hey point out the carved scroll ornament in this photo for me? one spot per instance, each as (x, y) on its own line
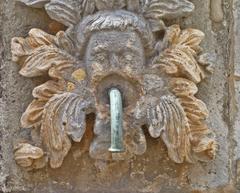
(114, 43)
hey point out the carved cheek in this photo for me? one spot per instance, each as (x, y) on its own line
(97, 64)
(96, 68)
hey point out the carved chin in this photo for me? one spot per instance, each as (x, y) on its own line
(133, 139)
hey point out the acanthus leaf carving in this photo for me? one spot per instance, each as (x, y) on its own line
(168, 120)
(88, 7)
(29, 156)
(63, 117)
(65, 12)
(203, 142)
(156, 11)
(179, 59)
(35, 3)
(32, 117)
(39, 52)
(23, 47)
(70, 12)
(166, 9)
(88, 59)
(180, 123)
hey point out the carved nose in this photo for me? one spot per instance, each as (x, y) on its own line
(114, 61)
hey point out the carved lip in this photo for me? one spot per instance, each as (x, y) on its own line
(130, 89)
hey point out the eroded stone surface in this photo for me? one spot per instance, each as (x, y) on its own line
(116, 48)
(150, 172)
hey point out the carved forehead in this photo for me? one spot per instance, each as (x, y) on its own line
(119, 20)
(115, 40)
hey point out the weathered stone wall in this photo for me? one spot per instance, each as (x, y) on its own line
(152, 172)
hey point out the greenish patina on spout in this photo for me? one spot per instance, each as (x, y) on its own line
(116, 121)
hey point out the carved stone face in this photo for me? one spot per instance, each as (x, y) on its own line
(115, 59)
(114, 52)
(159, 96)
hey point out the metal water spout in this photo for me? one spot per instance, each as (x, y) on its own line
(116, 110)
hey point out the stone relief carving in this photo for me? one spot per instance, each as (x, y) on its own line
(114, 44)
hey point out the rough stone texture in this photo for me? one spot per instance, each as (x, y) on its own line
(152, 172)
(236, 71)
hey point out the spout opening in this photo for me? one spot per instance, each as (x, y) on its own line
(130, 90)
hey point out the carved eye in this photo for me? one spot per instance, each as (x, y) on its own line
(101, 57)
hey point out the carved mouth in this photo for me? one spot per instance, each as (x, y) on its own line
(130, 89)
